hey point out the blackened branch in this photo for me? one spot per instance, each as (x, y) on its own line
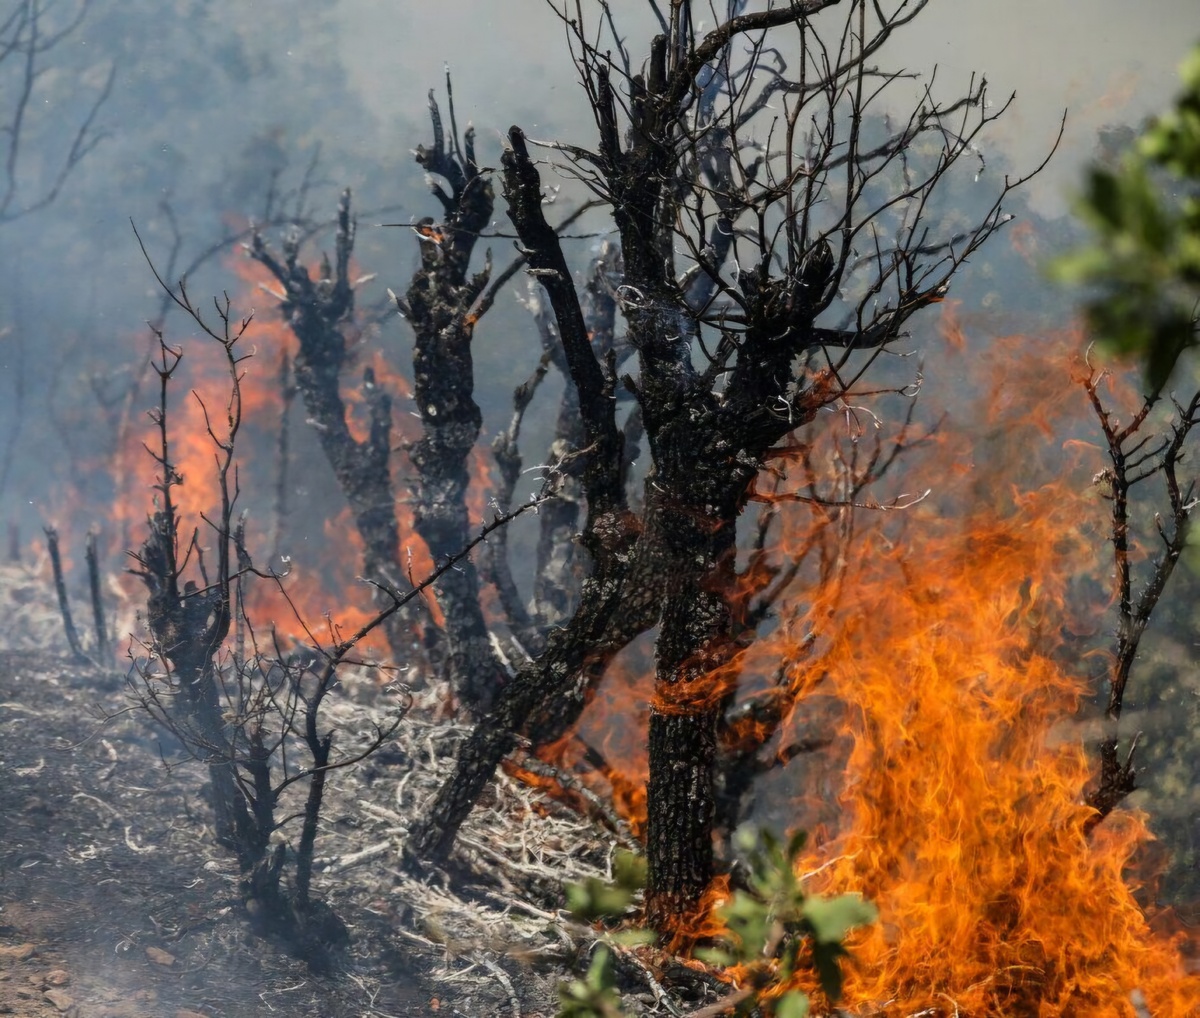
(1134, 458)
(316, 311)
(523, 192)
(717, 41)
(443, 304)
(60, 588)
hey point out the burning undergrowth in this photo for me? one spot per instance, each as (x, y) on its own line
(913, 684)
(943, 663)
(936, 655)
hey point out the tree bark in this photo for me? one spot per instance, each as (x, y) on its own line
(314, 310)
(440, 305)
(570, 650)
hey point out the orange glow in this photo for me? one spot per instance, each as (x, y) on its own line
(1024, 239)
(610, 755)
(945, 646)
(944, 651)
(552, 788)
(324, 587)
(479, 467)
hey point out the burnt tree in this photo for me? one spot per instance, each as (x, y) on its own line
(1138, 453)
(243, 706)
(778, 227)
(316, 311)
(443, 302)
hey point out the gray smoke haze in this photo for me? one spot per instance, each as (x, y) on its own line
(211, 97)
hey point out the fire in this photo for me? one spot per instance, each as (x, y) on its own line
(943, 652)
(1024, 239)
(951, 650)
(321, 593)
(610, 758)
(963, 787)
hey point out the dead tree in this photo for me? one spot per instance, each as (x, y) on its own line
(29, 34)
(243, 706)
(119, 391)
(100, 655)
(776, 233)
(443, 303)
(189, 622)
(317, 311)
(1138, 454)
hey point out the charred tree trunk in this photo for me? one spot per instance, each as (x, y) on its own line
(690, 513)
(696, 641)
(442, 306)
(315, 311)
(561, 564)
(188, 627)
(609, 537)
(568, 651)
(730, 358)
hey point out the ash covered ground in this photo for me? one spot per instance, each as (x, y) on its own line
(116, 903)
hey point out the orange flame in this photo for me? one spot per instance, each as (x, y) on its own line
(944, 651)
(950, 650)
(327, 598)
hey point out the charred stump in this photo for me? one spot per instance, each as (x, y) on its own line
(188, 627)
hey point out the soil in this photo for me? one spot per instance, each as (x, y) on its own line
(115, 901)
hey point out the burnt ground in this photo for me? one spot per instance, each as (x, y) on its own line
(113, 899)
(115, 902)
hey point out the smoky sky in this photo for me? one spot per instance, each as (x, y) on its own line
(213, 99)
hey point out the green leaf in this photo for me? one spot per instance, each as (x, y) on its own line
(1103, 198)
(595, 995)
(714, 956)
(776, 911)
(796, 844)
(598, 899)
(746, 839)
(629, 870)
(633, 938)
(792, 1004)
(827, 961)
(832, 918)
(1143, 266)
(595, 899)
(748, 920)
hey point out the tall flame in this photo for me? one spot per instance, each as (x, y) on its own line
(952, 647)
(937, 658)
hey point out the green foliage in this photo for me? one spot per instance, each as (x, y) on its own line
(597, 899)
(594, 996)
(774, 926)
(774, 929)
(1144, 267)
